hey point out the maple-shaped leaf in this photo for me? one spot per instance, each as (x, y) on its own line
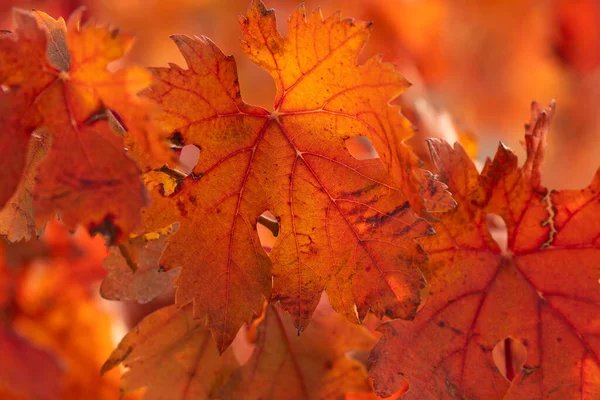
(541, 293)
(57, 78)
(315, 72)
(315, 365)
(133, 270)
(17, 220)
(172, 355)
(344, 225)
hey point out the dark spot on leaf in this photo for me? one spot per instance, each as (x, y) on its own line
(182, 209)
(378, 220)
(360, 191)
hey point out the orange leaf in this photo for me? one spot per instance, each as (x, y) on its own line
(171, 354)
(520, 323)
(316, 74)
(57, 78)
(345, 226)
(316, 365)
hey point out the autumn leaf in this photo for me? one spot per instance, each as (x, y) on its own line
(538, 297)
(133, 270)
(315, 71)
(172, 355)
(344, 225)
(315, 365)
(56, 78)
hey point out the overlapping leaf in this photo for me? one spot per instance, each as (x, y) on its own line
(56, 78)
(172, 355)
(542, 291)
(345, 225)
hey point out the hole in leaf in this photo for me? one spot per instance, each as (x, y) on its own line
(188, 158)
(509, 356)
(497, 228)
(267, 227)
(360, 147)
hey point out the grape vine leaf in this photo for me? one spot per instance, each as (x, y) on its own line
(345, 225)
(542, 291)
(172, 355)
(315, 70)
(315, 365)
(57, 78)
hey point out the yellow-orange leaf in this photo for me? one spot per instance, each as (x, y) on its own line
(315, 72)
(345, 225)
(541, 292)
